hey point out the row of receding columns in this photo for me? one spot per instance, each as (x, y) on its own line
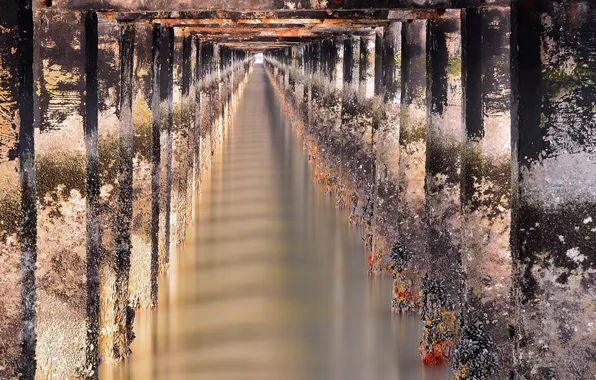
(464, 144)
(107, 128)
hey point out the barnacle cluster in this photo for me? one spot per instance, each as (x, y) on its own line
(400, 256)
(475, 356)
(439, 330)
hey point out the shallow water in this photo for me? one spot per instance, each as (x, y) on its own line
(272, 282)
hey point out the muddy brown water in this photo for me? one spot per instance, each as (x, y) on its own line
(272, 282)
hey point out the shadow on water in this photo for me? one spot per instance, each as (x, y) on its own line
(272, 282)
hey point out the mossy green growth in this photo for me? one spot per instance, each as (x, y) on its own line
(560, 82)
(454, 67)
(411, 131)
(109, 154)
(143, 130)
(10, 209)
(66, 168)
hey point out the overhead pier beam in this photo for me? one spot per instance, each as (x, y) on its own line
(268, 5)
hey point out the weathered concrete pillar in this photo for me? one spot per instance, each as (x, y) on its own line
(554, 213)
(166, 92)
(229, 89)
(180, 137)
(61, 174)
(387, 150)
(410, 249)
(10, 200)
(332, 118)
(92, 188)
(216, 105)
(363, 133)
(141, 276)
(350, 111)
(115, 131)
(156, 185)
(312, 87)
(305, 83)
(17, 194)
(286, 60)
(441, 285)
(224, 88)
(317, 89)
(486, 174)
(195, 99)
(298, 59)
(367, 66)
(206, 54)
(352, 75)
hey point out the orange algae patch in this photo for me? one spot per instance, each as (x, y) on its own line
(437, 356)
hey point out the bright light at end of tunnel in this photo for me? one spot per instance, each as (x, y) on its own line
(259, 58)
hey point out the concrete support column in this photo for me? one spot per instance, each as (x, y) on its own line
(195, 95)
(122, 321)
(348, 114)
(554, 211)
(180, 137)
(140, 260)
(115, 133)
(367, 66)
(188, 123)
(62, 174)
(315, 87)
(298, 57)
(441, 285)
(166, 93)
(333, 115)
(216, 103)
(92, 189)
(363, 133)
(224, 88)
(486, 181)
(410, 248)
(286, 61)
(156, 185)
(206, 54)
(17, 193)
(387, 150)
